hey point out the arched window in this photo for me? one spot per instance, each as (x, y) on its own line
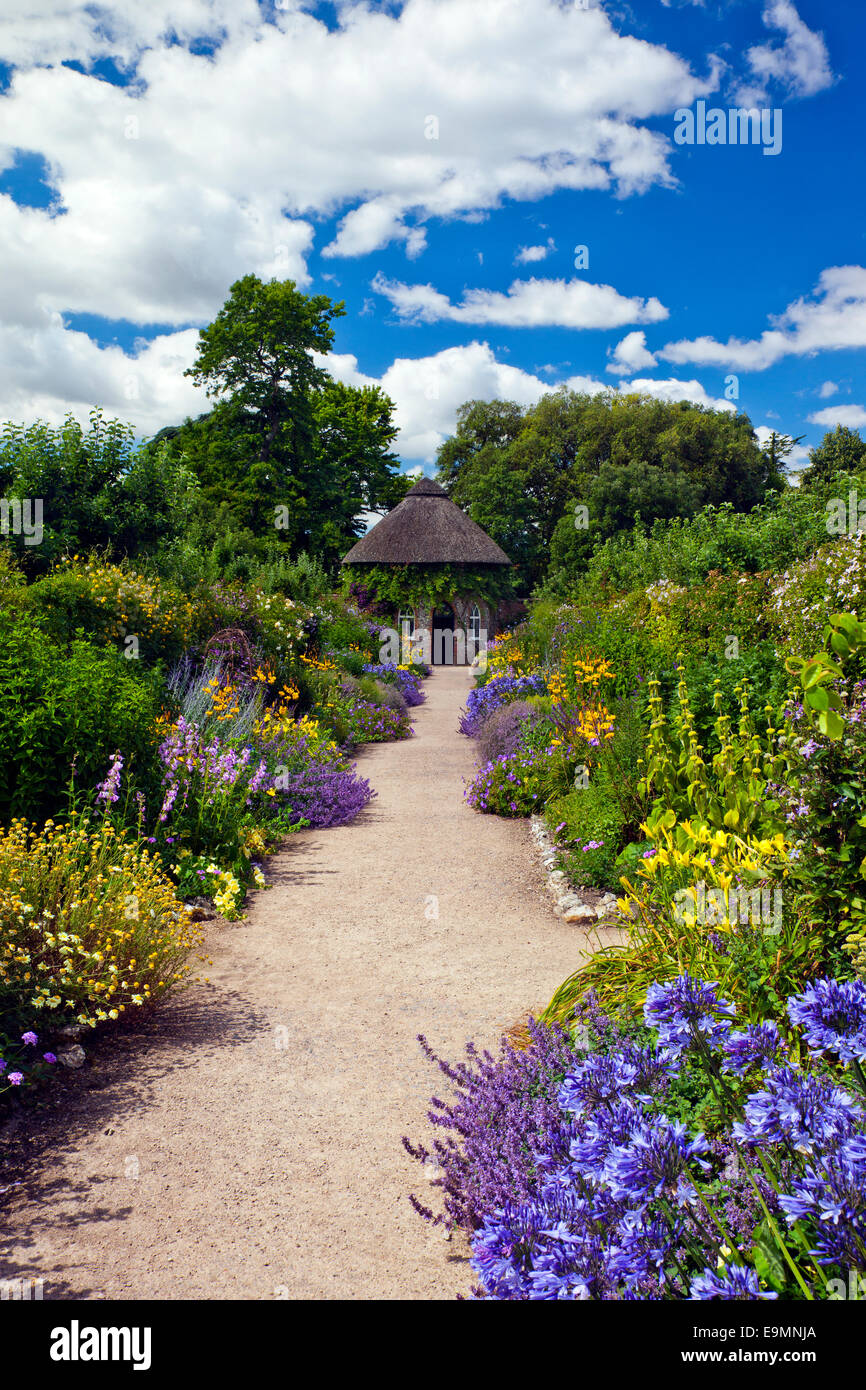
(475, 624)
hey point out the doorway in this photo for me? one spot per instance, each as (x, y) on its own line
(443, 635)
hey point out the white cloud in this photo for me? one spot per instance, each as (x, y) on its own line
(828, 388)
(833, 317)
(852, 415)
(528, 255)
(675, 390)
(150, 390)
(208, 167)
(631, 353)
(526, 304)
(800, 62)
(47, 371)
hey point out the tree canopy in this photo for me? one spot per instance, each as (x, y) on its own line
(521, 472)
(287, 451)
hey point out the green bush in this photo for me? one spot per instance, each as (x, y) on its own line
(59, 704)
(588, 826)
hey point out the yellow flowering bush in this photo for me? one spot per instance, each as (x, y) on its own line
(114, 603)
(89, 923)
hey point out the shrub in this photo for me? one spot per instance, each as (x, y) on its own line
(89, 924)
(500, 690)
(60, 707)
(407, 680)
(519, 784)
(325, 795)
(114, 604)
(588, 827)
(507, 730)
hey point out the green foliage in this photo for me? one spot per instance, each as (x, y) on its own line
(96, 487)
(588, 827)
(405, 586)
(730, 789)
(287, 454)
(519, 473)
(63, 705)
(842, 450)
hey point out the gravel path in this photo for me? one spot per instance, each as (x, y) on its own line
(245, 1142)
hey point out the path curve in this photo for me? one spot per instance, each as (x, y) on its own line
(245, 1141)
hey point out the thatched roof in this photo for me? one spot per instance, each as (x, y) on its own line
(426, 528)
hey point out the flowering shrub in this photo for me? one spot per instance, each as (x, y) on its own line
(406, 681)
(232, 771)
(606, 1193)
(369, 721)
(510, 728)
(324, 795)
(519, 784)
(89, 924)
(831, 580)
(113, 603)
(500, 690)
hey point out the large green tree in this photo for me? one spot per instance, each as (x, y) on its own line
(842, 450)
(520, 473)
(286, 452)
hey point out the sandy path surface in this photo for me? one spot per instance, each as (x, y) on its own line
(245, 1142)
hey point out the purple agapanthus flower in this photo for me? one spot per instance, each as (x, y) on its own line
(731, 1282)
(600, 1080)
(832, 1193)
(757, 1046)
(684, 1009)
(655, 1162)
(808, 1112)
(832, 1014)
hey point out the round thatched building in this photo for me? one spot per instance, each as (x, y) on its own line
(437, 571)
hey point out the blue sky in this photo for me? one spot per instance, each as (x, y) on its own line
(435, 163)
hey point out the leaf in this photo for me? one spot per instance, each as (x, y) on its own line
(767, 1259)
(817, 698)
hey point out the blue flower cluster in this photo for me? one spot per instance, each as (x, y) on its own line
(625, 1203)
(408, 684)
(499, 690)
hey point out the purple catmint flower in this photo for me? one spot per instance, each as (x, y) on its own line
(685, 1010)
(731, 1282)
(499, 690)
(832, 1014)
